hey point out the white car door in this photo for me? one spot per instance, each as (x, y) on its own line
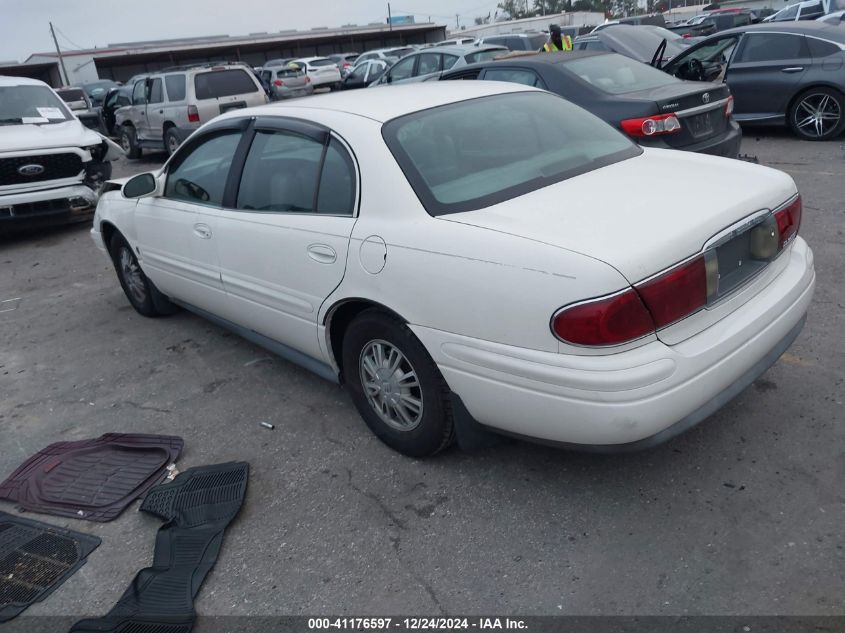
(175, 234)
(283, 244)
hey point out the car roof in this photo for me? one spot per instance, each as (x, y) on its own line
(403, 99)
(308, 59)
(7, 82)
(534, 58)
(463, 49)
(529, 34)
(803, 27)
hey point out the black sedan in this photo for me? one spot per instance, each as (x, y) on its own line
(780, 74)
(653, 108)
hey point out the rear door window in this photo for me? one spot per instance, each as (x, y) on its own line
(403, 69)
(821, 48)
(155, 91)
(765, 47)
(223, 83)
(175, 86)
(448, 61)
(429, 63)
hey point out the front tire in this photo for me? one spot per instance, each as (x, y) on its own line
(396, 386)
(818, 114)
(142, 294)
(129, 142)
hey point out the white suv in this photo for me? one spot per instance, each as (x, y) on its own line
(51, 166)
(168, 106)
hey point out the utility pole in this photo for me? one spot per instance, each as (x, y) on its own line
(457, 22)
(389, 17)
(59, 53)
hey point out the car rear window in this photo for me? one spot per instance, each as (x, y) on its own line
(223, 83)
(454, 163)
(616, 74)
(323, 62)
(71, 95)
(484, 56)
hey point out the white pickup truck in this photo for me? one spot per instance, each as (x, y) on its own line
(51, 166)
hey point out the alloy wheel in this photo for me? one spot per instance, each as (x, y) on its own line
(125, 143)
(132, 275)
(817, 115)
(391, 385)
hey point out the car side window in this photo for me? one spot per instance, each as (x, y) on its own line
(199, 173)
(515, 76)
(764, 47)
(336, 195)
(377, 69)
(359, 73)
(280, 173)
(403, 69)
(821, 48)
(595, 45)
(138, 92)
(155, 95)
(448, 61)
(429, 63)
(175, 86)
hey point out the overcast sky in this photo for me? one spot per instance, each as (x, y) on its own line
(24, 25)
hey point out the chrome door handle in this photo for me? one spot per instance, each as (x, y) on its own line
(203, 231)
(322, 253)
(792, 69)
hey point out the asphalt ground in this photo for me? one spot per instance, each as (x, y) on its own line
(745, 514)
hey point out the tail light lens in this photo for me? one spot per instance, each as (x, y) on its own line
(789, 221)
(606, 321)
(651, 126)
(676, 293)
(729, 106)
(278, 82)
(193, 114)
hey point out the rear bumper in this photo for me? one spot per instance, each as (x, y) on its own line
(726, 144)
(632, 399)
(61, 205)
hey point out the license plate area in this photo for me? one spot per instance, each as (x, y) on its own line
(701, 125)
(739, 257)
(236, 105)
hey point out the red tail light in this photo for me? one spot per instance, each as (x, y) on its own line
(346, 64)
(652, 126)
(676, 293)
(729, 106)
(789, 221)
(278, 82)
(606, 321)
(193, 114)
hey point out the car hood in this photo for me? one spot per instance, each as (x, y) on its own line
(640, 215)
(47, 136)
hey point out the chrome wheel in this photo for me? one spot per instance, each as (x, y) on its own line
(125, 142)
(817, 115)
(391, 385)
(132, 275)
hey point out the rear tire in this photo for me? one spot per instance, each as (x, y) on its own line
(396, 386)
(171, 141)
(141, 292)
(818, 114)
(129, 142)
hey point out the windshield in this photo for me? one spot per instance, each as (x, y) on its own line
(71, 95)
(31, 104)
(615, 74)
(473, 154)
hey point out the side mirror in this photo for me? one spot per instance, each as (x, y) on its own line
(139, 186)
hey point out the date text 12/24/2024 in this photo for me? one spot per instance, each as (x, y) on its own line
(416, 624)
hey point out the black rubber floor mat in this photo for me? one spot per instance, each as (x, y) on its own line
(197, 505)
(35, 558)
(91, 479)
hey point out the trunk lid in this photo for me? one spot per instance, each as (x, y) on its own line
(700, 108)
(640, 215)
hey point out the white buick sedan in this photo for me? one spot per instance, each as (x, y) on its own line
(473, 256)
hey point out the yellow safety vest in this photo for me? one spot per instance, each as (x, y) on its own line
(551, 47)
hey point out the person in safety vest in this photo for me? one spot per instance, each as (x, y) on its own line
(557, 42)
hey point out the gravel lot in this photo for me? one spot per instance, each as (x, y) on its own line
(742, 515)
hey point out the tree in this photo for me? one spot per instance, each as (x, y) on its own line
(547, 7)
(517, 9)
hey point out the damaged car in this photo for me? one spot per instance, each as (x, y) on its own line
(51, 165)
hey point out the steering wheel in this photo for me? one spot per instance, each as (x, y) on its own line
(696, 69)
